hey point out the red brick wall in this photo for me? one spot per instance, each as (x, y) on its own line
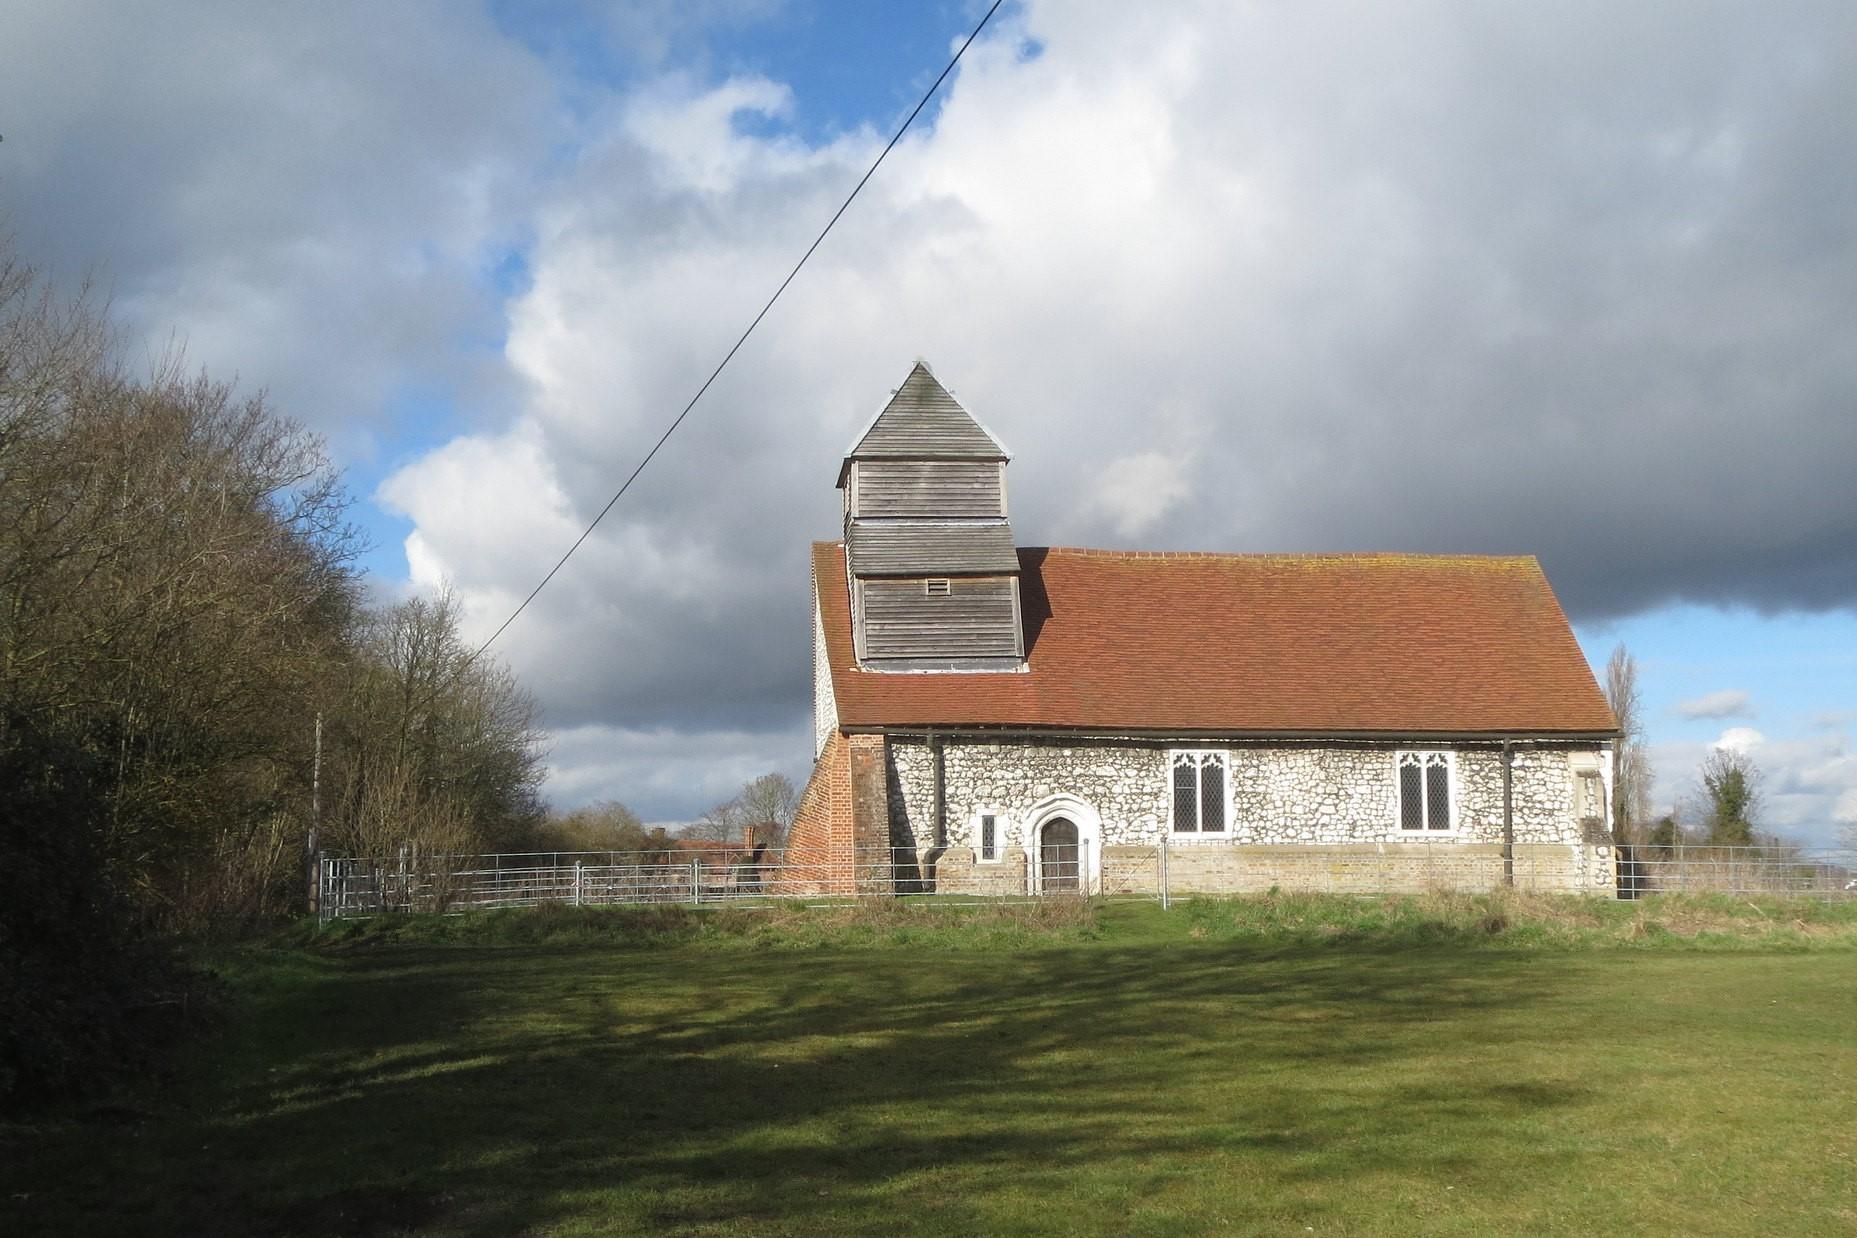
(844, 814)
(870, 814)
(820, 840)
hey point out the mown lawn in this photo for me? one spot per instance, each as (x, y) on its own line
(1131, 1071)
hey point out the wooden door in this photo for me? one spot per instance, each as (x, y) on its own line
(1060, 859)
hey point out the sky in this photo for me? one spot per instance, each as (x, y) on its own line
(1570, 279)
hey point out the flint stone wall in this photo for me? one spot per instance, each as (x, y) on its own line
(824, 702)
(1296, 799)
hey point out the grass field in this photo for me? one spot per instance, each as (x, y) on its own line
(1278, 1066)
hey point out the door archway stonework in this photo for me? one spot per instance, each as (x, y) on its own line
(1089, 840)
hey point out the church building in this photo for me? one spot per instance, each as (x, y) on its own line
(993, 718)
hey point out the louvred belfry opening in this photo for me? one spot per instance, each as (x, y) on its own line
(930, 563)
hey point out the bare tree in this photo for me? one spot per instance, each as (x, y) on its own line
(1631, 763)
(769, 803)
(765, 804)
(723, 823)
(453, 739)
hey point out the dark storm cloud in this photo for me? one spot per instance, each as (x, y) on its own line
(313, 198)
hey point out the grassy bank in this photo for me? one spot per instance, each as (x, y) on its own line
(1505, 920)
(1282, 1065)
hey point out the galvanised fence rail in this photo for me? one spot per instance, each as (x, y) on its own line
(349, 887)
(412, 882)
(1680, 868)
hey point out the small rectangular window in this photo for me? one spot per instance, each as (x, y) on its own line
(989, 838)
(937, 588)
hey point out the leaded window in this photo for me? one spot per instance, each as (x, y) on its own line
(989, 837)
(1424, 791)
(1199, 792)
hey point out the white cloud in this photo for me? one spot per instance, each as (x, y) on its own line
(1742, 739)
(1730, 703)
(496, 494)
(690, 134)
(1137, 490)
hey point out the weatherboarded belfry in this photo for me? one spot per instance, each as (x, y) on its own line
(932, 571)
(999, 719)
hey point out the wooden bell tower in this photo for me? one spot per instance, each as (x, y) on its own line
(929, 556)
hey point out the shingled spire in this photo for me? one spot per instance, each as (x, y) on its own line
(933, 574)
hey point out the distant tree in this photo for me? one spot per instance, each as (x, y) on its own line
(1731, 787)
(1631, 762)
(771, 801)
(766, 803)
(1665, 833)
(723, 823)
(428, 743)
(605, 826)
(595, 824)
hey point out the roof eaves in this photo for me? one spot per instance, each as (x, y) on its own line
(1250, 735)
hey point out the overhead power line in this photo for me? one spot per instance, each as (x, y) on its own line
(743, 339)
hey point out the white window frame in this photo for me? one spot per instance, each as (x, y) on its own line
(1424, 758)
(1000, 836)
(1200, 757)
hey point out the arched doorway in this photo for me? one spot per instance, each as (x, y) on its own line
(1063, 846)
(1060, 856)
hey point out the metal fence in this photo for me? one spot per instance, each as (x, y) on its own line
(1678, 869)
(350, 887)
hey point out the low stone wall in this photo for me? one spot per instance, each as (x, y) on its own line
(958, 872)
(1389, 868)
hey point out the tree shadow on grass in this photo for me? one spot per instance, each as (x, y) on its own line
(496, 1091)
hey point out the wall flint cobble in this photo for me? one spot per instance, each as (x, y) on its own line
(1286, 803)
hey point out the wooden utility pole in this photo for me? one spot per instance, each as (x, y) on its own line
(315, 854)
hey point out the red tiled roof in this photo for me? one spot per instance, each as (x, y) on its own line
(1405, 645)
